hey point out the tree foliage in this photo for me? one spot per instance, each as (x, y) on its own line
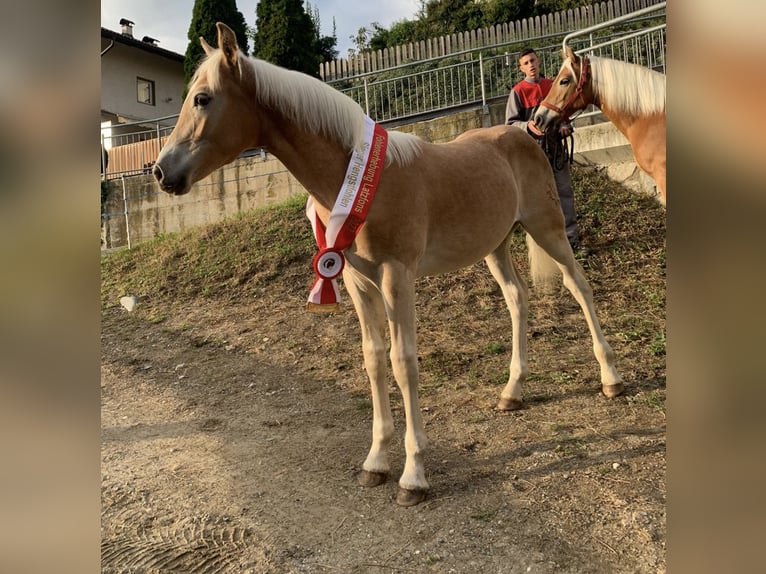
(443, 17)
(288, 35)
(204, 16)
(548, 6)
(325, 45)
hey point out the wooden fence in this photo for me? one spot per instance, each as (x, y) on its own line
(133, 158)
(519, 30)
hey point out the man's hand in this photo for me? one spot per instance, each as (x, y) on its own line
(532, 128)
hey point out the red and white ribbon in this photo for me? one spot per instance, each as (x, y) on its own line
(346, 218)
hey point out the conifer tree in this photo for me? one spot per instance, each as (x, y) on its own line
(285, 35)
(325, 45)
(204, 16)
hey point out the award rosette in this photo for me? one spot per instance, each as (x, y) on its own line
(346, 218)
(328, 263)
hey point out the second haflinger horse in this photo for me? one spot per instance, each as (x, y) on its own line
(437, 208)
(631, 96)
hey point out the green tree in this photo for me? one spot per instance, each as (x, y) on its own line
(325, 45)
(285, 35)
(503, 11)
(450, 16)
(441, 17)
(204, 16)
(401, 32)
(548, 6)
(361, 40)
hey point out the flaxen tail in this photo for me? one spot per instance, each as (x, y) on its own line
(543, 269)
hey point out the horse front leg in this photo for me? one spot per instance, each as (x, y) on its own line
(372, 320)
(515, 293)
(399, 296)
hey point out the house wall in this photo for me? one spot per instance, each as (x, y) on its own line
(120, 67)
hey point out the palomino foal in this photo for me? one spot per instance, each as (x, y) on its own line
(437, 208)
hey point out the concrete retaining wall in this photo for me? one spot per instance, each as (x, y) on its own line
(247, 183)
(253, 182)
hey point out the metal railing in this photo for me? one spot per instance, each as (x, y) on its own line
(131, 148)
(645, 46)
(470, 78)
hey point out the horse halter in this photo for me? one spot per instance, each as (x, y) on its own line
(565, 111)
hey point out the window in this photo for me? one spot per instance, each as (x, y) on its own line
(145, 91)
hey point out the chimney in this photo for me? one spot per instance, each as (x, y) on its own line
(150, 40)
(127, 27)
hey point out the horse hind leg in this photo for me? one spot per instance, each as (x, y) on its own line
(660, 180)
(551, 239)
(515, 294)
(372, 319)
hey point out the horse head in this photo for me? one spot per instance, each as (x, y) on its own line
(216, 122)
(571, 91)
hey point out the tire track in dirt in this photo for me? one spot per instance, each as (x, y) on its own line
(202, 544)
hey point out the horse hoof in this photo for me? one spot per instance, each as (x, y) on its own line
(406, 497)
(611, 391)
(509, 404)
(369, 479)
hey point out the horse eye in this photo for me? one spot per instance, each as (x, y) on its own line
(201, 100)
(564, 81)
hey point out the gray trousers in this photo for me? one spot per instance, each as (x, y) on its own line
(566, 196)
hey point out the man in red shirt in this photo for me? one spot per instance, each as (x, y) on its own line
(522, 102)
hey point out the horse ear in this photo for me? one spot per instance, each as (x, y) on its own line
(227, 41)
(205, 46)
(571, 55)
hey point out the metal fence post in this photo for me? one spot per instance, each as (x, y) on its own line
(125, 204)
(103, 155)
(366, 99)
(481, 79)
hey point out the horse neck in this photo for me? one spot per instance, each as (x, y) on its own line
(318, 163)
(621, 120)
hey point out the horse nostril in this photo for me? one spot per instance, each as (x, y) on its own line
(157, 172)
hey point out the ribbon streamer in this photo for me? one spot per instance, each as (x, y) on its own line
(346, 218)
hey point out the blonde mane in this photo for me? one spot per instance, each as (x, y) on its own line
(627, 87)
(311, 103)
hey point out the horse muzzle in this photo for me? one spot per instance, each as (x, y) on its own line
(544, 119)
(172, 185)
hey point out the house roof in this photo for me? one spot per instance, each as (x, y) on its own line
(146, 46)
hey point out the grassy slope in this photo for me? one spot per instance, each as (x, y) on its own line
(272, 248)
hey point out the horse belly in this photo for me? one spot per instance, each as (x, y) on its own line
(472, 196)
(464, 242)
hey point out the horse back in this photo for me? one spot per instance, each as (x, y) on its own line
(458, 200)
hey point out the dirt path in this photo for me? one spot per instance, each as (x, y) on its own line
(231, 441)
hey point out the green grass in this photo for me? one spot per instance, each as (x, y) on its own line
(496, 349)
(245, 252)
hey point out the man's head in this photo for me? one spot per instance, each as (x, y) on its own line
(529, 64)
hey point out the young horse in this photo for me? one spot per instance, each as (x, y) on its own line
(631, 96)
(437, 208)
